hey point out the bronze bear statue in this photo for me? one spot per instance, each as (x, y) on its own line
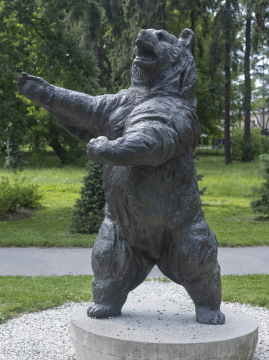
(146, 137)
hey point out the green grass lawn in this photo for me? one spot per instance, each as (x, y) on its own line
(20, 294)
(225, 203)
(25, 294)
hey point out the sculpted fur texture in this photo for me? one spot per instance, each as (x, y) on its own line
(145, 136)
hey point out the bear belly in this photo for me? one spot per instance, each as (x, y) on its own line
(147, 203)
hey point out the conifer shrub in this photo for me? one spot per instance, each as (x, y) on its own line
(17, 191)
(262, 204)
(88, 211)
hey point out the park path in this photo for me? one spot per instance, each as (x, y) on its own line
(77, 261)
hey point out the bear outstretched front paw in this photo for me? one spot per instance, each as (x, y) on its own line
(102, 311)
(208, 316)
(34, 88)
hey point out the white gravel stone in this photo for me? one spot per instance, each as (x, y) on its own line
(45, 335)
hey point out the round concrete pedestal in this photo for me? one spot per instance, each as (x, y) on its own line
(156, 330)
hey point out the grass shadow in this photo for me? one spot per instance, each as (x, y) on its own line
(261, 218)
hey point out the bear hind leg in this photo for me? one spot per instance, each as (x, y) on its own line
(191, 261)
(118, 269)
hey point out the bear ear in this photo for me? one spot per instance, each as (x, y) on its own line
(187, 38)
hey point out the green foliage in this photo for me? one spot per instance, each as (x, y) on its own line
(34, 39)
(259, 143)
(46, 132)
(88, 211)
(17, 191)
(262, 205)
(55, 39)
(124, 19)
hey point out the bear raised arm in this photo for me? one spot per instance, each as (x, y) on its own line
(83, 116)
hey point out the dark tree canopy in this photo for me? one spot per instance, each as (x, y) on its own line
(34, 38)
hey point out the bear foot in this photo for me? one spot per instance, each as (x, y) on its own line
(211, 317)
(102, 311)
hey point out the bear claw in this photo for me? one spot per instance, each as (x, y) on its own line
(102, 311)
(208, 316)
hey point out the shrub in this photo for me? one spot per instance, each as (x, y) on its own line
(17, 191)
(262, 205)
(259, 143)
(88, 211)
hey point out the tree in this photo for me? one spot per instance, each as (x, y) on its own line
(258, 28)
(88, 212)
(227, 67)
(260, 43)
(224, 41)
(88, 25)
(198, 12)
(34, 39)
(247, 94)
(124, 20)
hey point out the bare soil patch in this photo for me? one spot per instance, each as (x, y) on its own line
(20, 214)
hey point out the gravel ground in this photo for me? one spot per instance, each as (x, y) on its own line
(45, 335)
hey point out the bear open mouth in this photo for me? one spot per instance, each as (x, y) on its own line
(146, 54)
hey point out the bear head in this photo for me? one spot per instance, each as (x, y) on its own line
(164, 64)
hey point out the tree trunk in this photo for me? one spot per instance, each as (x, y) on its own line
(3, 150)
(193, 29)
(99, 51)
(161, 14)
(247, 101)
(228, 157)
(58, 149)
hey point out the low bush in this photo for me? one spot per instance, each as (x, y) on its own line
(262, 204)
(16, 191)
(259, 143)
(88, 212)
